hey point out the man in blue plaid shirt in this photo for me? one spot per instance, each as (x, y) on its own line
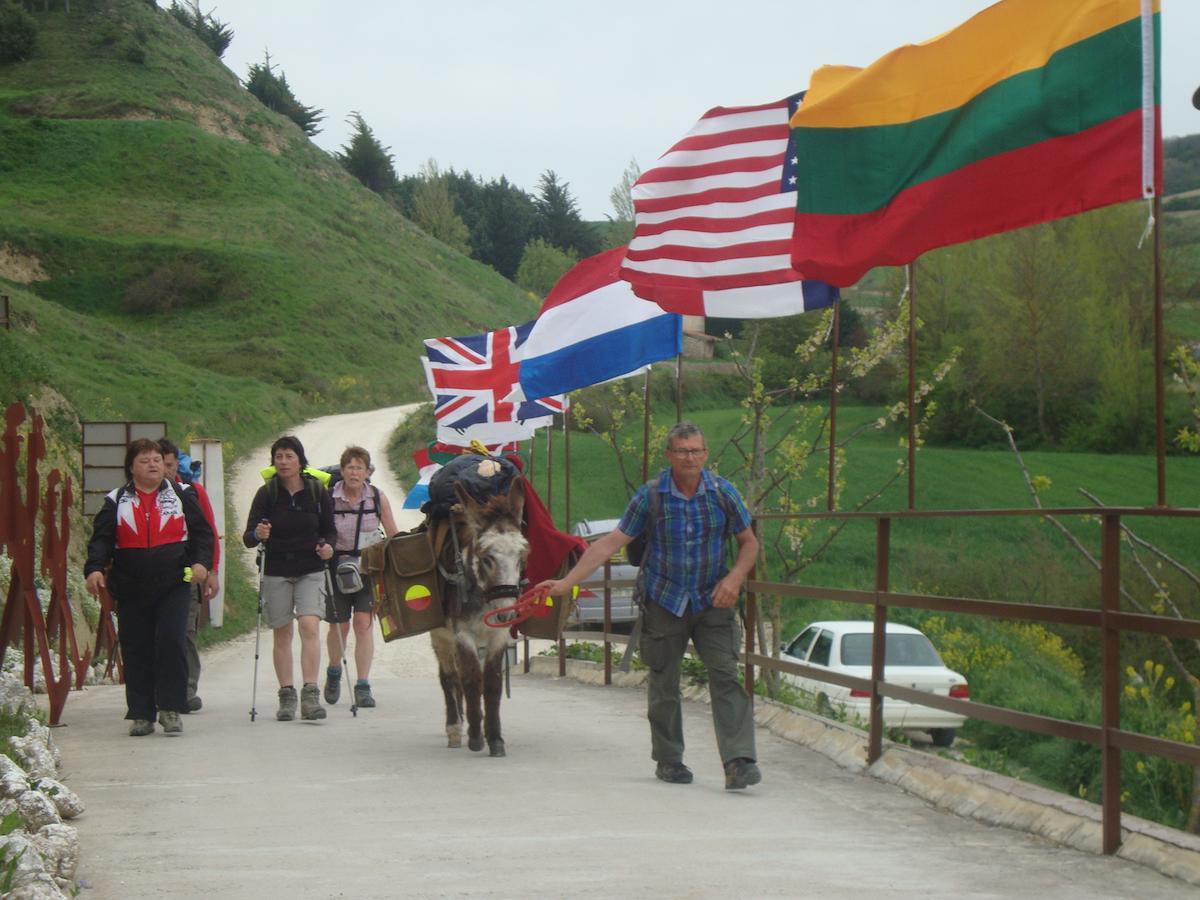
(689, 594)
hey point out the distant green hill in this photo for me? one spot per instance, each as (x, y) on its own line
(1181, 164)
(174, 250)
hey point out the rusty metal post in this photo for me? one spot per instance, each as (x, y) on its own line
(1110, 684)
(883, 545)
(566, 472)
(751, 624)
(608, 623)
(562, 657)
(646, 430)
(5, 313)
(1160, 431)
(526, 666)
(911, 271)
(679, 387)
(833, 392)
(550, 470)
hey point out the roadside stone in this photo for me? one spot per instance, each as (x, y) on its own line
(59, 846)
(37, 810)
(65, 800)
(35, 753)
(14, 695)
(19, 845)
(39, 887)
(12, 784)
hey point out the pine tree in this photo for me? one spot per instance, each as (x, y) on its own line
(559, 222)
(367, 159)
(275, 94)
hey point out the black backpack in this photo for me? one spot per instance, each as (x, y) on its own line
(464, 470)
(635, 550)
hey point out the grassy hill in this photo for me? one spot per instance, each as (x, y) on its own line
(174, 250)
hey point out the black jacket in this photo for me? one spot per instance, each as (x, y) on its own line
(154, 557)
(298, 524)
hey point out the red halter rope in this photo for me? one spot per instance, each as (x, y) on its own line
(533, 603)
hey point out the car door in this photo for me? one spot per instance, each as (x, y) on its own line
(797, 651)
(819, 658)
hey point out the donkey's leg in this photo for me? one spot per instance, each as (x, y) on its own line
(472, 684)
(493, 688)
(447, 656)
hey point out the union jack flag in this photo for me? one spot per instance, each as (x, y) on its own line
(472, 378)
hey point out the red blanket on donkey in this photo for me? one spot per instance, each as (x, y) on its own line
(548, 546)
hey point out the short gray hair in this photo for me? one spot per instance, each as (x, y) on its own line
(683, 430)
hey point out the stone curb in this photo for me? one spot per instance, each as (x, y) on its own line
(947, 784)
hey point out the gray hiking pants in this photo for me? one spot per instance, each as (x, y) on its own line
(715, 634)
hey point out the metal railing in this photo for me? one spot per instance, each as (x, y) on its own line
(1109, 619)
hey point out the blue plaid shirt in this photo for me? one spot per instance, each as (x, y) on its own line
(685, 556)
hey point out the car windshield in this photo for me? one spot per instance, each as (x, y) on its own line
(901, 650)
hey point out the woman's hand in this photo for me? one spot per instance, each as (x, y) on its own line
(324, 551)
(212, 584)
(95, 582)
(199, 573)
(262, 530)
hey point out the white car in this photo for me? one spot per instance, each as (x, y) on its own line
(910, 660)
(589, 605)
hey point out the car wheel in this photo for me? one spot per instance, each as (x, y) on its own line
(942, 737)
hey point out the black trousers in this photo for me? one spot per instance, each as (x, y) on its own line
(153, 635)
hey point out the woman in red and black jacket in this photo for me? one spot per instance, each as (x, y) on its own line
(154, 534)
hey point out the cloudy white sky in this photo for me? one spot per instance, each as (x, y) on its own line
(517, 87)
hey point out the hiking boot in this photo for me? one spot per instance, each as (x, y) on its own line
(740, 773)
(673, 773)
(194, 704)
(310, 703)
(287, 704)
(362, 695)
(141, 727)
(333, 685)
(170, 722)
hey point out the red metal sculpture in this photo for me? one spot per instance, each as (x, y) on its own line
(23, 619)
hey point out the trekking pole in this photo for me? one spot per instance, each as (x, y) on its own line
(337, 627)
(262, 552)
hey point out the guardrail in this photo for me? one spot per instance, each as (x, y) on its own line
(1109, 619)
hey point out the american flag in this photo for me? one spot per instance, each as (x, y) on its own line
(472, 377)
(713, 220)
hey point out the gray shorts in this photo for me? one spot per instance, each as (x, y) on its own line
(287, 598)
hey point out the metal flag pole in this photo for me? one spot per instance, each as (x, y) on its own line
(566, 469)
(1160, 429)
(678, 387)
(550, 470)
(833, 398)
(910, 272)
(646, 430)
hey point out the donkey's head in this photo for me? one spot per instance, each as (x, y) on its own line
(495, 550)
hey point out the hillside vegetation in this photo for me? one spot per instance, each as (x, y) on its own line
(176, 251)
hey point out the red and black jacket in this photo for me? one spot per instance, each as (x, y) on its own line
(151, 542)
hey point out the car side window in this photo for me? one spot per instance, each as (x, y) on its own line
(821, 648)
(799, 647)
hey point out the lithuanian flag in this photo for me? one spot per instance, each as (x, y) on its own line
(1030, 111)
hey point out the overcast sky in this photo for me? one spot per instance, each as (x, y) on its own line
(520, 86)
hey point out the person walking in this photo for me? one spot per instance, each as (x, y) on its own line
(688, 594)
(292, 516)
(200, 593)
(154, 535)
(359, 509)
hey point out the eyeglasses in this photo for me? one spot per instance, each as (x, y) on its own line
(690, 451)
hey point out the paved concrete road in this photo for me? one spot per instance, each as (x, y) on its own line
(377, 806)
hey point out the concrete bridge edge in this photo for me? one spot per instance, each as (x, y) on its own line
(948, 784)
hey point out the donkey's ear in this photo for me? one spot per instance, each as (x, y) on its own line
(516, 497)
(464, 499)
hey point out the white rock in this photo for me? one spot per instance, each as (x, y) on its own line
(7, 766)
(65, 800)
(30, 861)
(37, 810)
(39, 887)
(59, 847)
(8, 806)
(13, 785)
(35, 755)
(13, 693)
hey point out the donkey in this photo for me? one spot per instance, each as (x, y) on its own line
(469, 653)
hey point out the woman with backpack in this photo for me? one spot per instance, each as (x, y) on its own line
(292, 517)
(154, 534)
(359, 510)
